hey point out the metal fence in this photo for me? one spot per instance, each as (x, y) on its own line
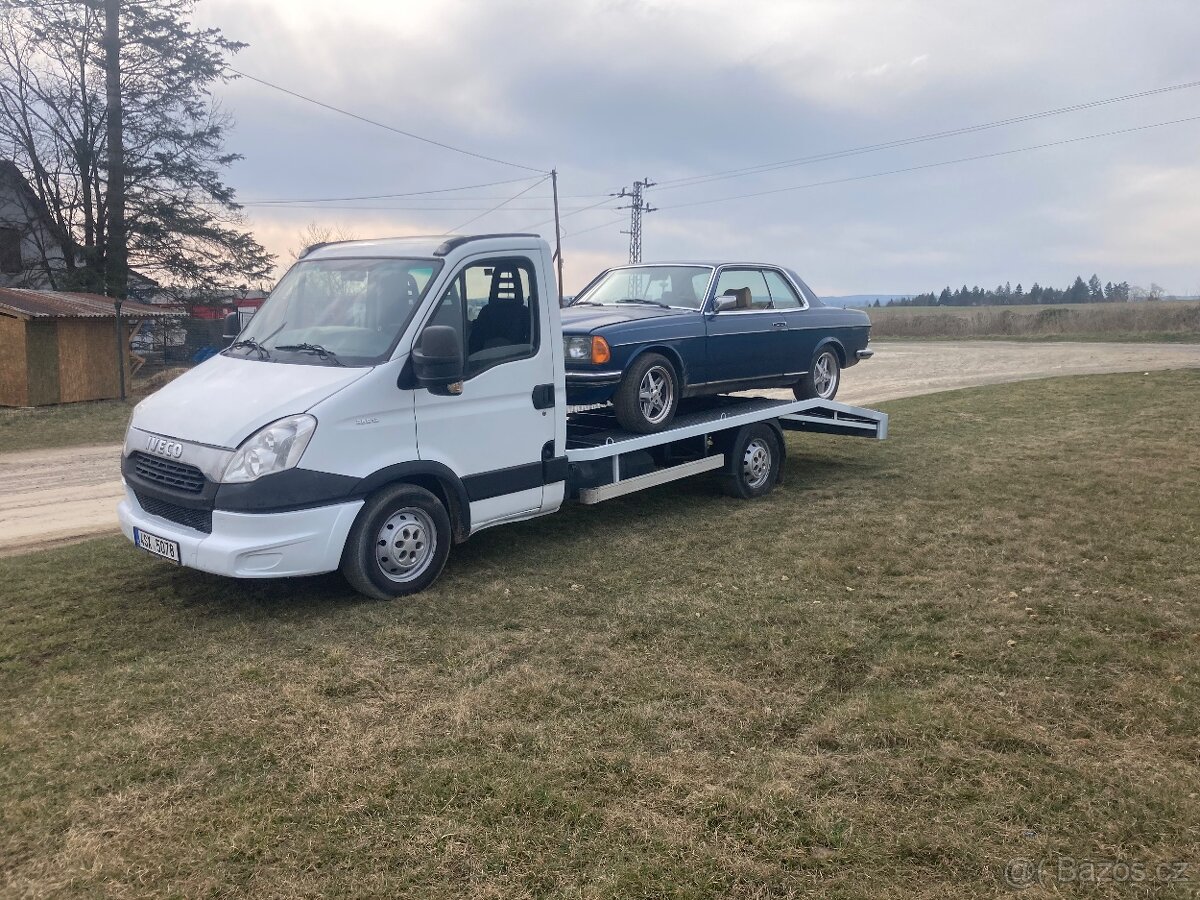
(177, 342)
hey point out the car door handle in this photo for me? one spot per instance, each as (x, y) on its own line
(779, 324)
(543, 396)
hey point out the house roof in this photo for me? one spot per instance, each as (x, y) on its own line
(28, 304)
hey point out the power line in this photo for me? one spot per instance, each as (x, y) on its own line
(574, 212)
(496, 207)
(608, 224)
(690, 181)
(410, 208)
(377, 124)
(934, 165)
(449, 190)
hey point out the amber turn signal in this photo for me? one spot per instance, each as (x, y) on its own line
(600, 351)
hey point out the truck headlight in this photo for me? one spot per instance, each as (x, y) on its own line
(586, 348)
(272, 449)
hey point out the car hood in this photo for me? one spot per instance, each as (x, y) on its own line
(589, 318)
(224, 400)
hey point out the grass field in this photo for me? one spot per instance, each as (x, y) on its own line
(75, 424)
(915, 661)
(1177, 321)
(65, 425)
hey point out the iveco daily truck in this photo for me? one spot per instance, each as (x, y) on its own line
(393, 397)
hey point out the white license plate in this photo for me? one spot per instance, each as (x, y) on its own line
(152, 543)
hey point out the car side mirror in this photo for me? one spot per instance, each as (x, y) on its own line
(724, 302)
(438, 360)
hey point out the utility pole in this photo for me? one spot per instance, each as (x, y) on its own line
(557, 234)
(637, 206)
(116, 273)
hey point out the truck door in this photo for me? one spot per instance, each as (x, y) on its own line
(494, 434)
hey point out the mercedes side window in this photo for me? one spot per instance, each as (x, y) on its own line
(732, 281)
(783, 295)
(494, 306)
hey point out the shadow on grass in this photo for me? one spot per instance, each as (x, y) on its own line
(542, 545)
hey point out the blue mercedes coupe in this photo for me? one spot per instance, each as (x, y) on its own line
(646, 336)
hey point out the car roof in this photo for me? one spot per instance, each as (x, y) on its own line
(712, 263)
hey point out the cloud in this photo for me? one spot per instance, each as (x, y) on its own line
(613, 90)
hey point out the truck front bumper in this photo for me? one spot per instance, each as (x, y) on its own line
(253, 545)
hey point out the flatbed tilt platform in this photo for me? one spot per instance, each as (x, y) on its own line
(606, 461)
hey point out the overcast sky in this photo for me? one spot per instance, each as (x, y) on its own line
(610, 91)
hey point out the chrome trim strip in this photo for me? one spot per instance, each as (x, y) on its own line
(593, 376)
(711, 301)
(212, 461)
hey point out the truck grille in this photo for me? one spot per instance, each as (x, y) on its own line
(196, 519)
(179, 476)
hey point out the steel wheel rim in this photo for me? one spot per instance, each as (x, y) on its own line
(405, 544)
(655, 394)
(825, 375)
(756, 463)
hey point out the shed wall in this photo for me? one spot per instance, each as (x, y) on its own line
(41, 346)
(14, 374)
(87, 360)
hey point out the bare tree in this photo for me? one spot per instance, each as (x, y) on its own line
(183, 225)
(312, 233)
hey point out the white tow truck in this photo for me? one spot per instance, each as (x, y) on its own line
(358, 424)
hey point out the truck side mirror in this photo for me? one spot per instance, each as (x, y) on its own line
(231, 328)
(438, 359)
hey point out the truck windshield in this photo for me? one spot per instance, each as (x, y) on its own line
(679, 286)
(353, 310)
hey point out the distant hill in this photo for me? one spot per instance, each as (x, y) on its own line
(865, 299)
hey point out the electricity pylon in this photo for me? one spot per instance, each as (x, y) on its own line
(637, 206)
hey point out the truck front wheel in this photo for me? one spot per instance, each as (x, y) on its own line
(399, 543)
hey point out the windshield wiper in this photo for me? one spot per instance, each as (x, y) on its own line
(310, 348)
(252, 344)
(637, 300)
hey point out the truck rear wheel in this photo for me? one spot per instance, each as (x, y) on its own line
(752, 463)
(399, 543)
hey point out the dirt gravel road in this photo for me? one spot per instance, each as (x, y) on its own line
(55, 496)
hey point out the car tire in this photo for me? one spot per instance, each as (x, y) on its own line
(823, 378)
(648, 396)
(398, 544)
(753, 462)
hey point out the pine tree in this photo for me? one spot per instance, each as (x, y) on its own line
(1094, 289)
(183, 223)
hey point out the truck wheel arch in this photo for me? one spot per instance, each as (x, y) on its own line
(435, 477)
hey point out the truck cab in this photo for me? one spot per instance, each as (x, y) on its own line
(325, 397)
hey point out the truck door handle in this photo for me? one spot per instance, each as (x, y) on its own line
(779, 324)
(543, 396)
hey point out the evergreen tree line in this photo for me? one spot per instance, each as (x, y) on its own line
(1090, 291)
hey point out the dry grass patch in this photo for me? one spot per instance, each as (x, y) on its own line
(913, 662)
(1173, 321)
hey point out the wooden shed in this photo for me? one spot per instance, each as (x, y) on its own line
(59, 347)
